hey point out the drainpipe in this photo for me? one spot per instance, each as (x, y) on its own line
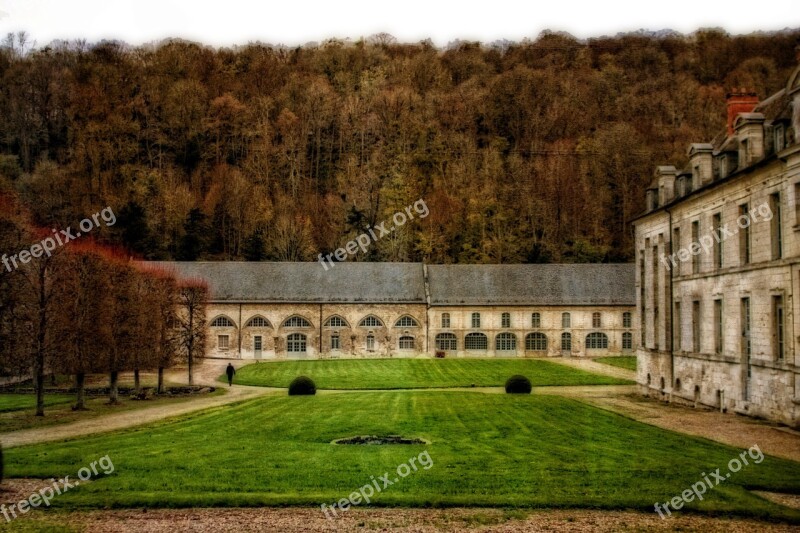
(319, 339)
(240, 330)
(427, 307)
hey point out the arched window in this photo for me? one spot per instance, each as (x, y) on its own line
(335, 322)
(406, 342)
(476, 320)
(505, 320)
(566, 320)
(258, 322)
(446, 341)
(222, 322)
(476, 341)
(626, 320)
(371, 342)
(627, 341)
(296, 343)
(536, 320)
(296, 322)
(505, 342)
(596, 322)
(406, 322)
(596, 341)
(370, 321)
(566, 342)
(445, 320)
(536, 342)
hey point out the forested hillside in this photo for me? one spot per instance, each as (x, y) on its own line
(524, 152)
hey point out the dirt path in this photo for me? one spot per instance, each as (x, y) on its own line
(205, 374)
(595, 367)
(402, 521)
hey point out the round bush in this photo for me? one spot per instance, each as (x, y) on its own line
(302, 386)
(518, 385)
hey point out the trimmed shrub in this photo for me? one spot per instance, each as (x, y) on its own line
(518, 385)
(302, 386)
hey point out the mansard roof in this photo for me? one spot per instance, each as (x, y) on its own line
(538, 284)
(550, 284)
(237, 281)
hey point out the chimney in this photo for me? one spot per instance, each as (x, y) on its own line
(740, 101)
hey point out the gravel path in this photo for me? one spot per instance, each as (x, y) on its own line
(402, 520)
(205, 374)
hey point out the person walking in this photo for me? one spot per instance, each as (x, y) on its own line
(230, 371)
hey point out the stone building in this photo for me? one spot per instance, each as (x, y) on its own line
(717, 260)
(300, 310)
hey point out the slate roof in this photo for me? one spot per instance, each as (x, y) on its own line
(550, 284)
(237, 281)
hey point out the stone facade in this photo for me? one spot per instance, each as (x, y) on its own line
(397, 310)
(717, 261)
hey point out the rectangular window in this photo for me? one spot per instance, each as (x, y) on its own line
(695, 238)
(678, 325)
(776, 230)
(222, 342)
(718, 331)
(371, 343)
(627, 341)
(744, 234)
(746, 326)
(505, 321)
(445, 320)
(777, 327)
(626, 320)
(717, 224)
(656, 329)
(596, 320)
(696, 326)
(536, 320)
(676, 247)
(335, 343)
(257, 343)
(476, 320)
(797, 203)
(565, 320)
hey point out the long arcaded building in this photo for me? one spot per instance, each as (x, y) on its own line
(301, 310)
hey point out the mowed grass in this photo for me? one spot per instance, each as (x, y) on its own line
(626, 361)
(18, 401)
(417, 373)
(486, 450)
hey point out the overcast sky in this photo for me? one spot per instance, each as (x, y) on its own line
(294, 22)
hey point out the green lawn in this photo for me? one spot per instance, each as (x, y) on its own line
(416, 373)
(486, 450)
(625, 361)
(17, 402)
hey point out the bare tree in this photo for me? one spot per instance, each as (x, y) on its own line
(192, 298)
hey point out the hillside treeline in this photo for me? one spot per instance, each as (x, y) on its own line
(536, 151)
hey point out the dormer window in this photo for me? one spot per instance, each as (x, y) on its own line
(723, 166)
(779, 137)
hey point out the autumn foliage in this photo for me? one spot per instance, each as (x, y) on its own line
(534, 151)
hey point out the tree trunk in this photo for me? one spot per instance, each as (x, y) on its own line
(113, 388)
(137, 384)
(39, 384)
(80, 382)
(160, 388)
(53, 381)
